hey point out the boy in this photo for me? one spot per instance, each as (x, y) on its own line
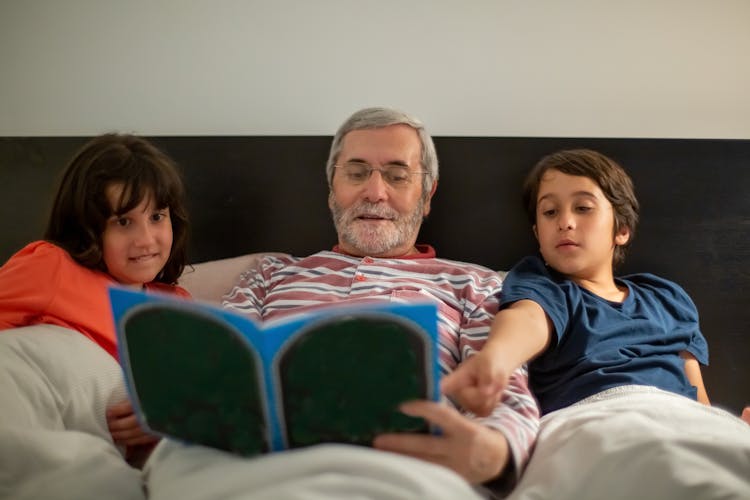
(585, 330)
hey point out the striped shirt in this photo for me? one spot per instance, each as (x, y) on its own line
(465, 295)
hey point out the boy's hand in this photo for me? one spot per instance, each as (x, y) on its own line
(477, 384)
(124, 427)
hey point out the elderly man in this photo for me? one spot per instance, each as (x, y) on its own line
(382, 172)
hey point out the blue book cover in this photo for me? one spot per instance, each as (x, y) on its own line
(205, 375)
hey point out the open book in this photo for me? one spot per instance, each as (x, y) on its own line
(209, 376)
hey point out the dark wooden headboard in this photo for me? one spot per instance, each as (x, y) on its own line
(268, 193)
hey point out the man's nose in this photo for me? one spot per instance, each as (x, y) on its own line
(375, 188)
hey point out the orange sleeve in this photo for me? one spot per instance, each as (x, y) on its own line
(178, 290)
(171, 289)
(28, 281)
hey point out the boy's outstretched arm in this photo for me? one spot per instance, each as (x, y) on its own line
(518, 333)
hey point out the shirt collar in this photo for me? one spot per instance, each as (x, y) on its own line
(423, 252)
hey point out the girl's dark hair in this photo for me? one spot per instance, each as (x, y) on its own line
(81, 207)
(608, 175)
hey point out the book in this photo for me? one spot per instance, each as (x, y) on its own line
(205, 375)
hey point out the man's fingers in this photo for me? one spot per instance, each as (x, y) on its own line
(443, 416)
(421, 445)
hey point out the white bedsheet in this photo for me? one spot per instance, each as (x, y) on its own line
(630, 443)
(323, 472)
(639, 443)
(55, 385)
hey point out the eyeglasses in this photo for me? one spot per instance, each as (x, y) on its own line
(357, 173)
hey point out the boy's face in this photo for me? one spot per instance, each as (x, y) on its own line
(136, 245)
(575, 227)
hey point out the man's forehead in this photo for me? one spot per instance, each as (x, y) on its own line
(399, 141)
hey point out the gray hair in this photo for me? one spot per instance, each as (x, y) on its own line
(369, 118)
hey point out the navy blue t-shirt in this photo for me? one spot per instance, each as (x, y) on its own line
(598, 344)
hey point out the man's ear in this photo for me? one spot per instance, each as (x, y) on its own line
(426, 206)
(622, 236)
(330, 199)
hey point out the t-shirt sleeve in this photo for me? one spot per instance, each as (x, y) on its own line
(678, 304)
(698, 346)
(28, 281)
(530, 279)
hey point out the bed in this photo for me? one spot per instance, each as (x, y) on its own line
(252, 195)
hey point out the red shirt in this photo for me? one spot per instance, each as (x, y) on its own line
(42, 284)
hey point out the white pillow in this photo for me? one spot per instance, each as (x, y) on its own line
(210, 280)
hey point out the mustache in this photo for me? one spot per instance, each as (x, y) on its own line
(373, 209)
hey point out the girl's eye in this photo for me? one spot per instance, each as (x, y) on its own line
(122, 221)
(158, 216)
(583, 209)
(549, 212)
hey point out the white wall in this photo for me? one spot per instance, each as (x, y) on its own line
(607, 68)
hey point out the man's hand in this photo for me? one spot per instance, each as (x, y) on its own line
(474, 451)
(477, 384)
(124, 428)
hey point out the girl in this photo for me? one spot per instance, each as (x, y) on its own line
(118, 217)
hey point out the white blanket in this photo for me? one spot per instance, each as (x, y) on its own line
(632, 443)
(55, 385)
(322, 472)
(639, 443)
(629, 443)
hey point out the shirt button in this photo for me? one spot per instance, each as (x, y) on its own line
(367, 260)
(359, 277)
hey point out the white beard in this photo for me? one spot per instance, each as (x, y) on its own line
(376, 239)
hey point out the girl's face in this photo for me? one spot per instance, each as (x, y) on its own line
(575, 227)
(137, 244)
